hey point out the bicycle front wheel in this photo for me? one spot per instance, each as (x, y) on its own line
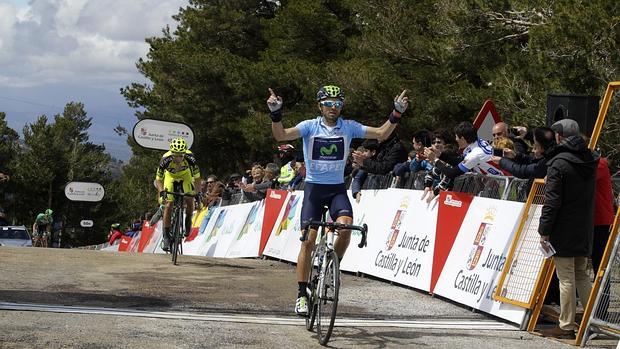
(176, 236)
(313, 280)
(328, 289)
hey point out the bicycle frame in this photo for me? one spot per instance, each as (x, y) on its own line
(176, 218)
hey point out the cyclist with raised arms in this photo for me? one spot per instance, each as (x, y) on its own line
(326, 141)
(177, 171)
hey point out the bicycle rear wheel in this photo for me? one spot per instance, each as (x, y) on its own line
(313, 279)
(328, 289)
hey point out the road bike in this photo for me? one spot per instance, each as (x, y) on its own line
(178, 224)
(40, 239)
(324, 279)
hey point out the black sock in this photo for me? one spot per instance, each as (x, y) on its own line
(167, 232)
(302, 289)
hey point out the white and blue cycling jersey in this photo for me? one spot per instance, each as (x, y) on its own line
(326, 148)
(477, 158)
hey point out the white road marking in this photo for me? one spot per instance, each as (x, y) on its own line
(459, 324)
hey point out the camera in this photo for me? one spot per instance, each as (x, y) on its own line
(498, 152)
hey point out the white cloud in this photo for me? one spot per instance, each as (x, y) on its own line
(78, 41)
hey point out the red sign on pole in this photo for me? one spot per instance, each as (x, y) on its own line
(486, 118)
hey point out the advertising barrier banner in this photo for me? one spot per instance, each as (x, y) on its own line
(452, 210)
(472, 270)
(230, 229)
(208, 232)
(274, 201)
(197, 219)
(124, 244)
(368, 207)
(284, 240)
(145, 236)
(247, 241)
(400, 246)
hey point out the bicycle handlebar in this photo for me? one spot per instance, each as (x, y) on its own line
(335, 225)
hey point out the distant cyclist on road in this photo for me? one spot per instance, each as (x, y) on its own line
(179, 172)
(42, 228)
(326, 141)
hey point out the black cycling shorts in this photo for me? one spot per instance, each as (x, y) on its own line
(317, 196)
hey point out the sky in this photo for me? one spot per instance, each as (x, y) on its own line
(56, 51)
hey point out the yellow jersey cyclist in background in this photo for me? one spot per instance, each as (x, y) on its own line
(178, 172)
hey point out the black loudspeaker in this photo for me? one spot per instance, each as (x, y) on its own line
(583, 109)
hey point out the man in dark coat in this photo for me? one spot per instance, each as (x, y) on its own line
(567, 219)
(391, 152)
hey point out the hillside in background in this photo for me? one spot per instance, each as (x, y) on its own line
(107, 108)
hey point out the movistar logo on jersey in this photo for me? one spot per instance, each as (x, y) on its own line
(328, 149)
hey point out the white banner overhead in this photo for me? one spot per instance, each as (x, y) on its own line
(157, 134)
(84, 191)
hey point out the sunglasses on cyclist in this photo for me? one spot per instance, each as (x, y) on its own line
(333, 104)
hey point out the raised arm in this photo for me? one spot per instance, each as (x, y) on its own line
(400, 105)
(280, 133)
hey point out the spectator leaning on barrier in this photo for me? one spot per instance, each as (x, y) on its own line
(529, 167)
(390, 152)
(477, 154)
(301, 171)
(115, 233)
(288, 171)
(214, 197)
(434, 180)
(421, 139)
(516, 135)
(369, 150)
(233, 187)
(258, 191)
(567, 220)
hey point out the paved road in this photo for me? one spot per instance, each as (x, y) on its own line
(94, 299)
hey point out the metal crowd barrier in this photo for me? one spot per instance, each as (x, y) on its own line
(518, 189)
(487, 186)
(410, 181)
(604, 310)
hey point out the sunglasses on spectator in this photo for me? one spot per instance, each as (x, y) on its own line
(333, 104)
(210, 182)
